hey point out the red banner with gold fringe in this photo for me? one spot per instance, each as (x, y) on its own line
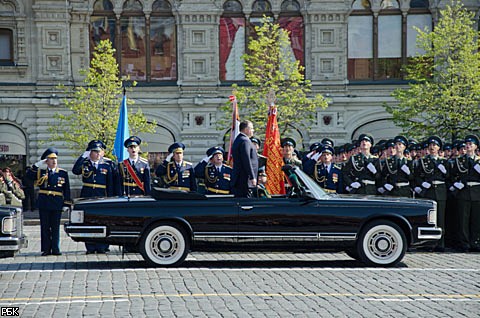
(272, 150)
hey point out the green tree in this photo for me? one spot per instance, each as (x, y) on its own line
(93, 109)
(444, 91)
(270, 66)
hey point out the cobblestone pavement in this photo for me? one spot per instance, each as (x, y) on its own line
(236, 285)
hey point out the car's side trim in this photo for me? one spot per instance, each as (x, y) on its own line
(429, 233)
(86, 231)
(124, 234)
(272, 236)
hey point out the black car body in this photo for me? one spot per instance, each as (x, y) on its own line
(12, 238)
(163, 228)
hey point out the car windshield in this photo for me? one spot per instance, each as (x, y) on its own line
(311, 187)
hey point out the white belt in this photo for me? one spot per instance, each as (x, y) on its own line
(368, 182)
(438, 182)
(402, 184)
(472, 184)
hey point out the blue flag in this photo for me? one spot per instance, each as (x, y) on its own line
(119, 151)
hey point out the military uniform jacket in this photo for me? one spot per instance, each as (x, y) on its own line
(97, 182)
(54, 190)
(180, 177)
(216, 181)
(467, 170)
(331, 181)
(128, 185)
(393, 174)
(355, 170)
(426, 170)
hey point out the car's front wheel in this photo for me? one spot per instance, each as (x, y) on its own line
(381, 243)
(164, 245)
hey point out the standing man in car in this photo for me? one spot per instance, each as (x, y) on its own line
(216, 174)
(134, 171)
(245, 162)
(177, 173)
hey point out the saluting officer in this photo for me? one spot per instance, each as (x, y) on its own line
(134, 171)
(397, 172)
(97, 177)
(177, 173)
(361, 171)
(53, 197)
(466, 172)
(327, 174)
(431, 174)
(216, 174)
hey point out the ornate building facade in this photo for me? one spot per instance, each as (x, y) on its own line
(185, 54)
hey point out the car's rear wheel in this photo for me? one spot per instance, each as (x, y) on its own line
(164, 245)
(381, 243)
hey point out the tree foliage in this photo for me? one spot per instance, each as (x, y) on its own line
(93, 109)
(270, 66)
(444, 90)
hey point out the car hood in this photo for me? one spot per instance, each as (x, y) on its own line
(383, 199)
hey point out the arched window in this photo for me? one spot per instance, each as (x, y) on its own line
(360, 41)
(389, 47)
(259, 9)
(163, 42)
(232, 41)
(132, 37)
(291, 20)
(379, 46)
(102, 24)
(6, 47)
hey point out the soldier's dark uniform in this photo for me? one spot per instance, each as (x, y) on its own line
(397, 173)
(53, 195)
(294, 161)
(466, 171)
(431, 174)
(141, 168)
(329, 177)
(217, 179)
(363, 170)
(97, 181)
(177, 176)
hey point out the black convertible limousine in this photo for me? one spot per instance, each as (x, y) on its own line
(164, 227)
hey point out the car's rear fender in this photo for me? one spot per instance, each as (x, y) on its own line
(397, 219)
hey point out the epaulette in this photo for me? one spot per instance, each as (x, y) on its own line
(143, 160)
(107, 159)
(337, 166)
(227, 166)
(188, 163)
(60, 169)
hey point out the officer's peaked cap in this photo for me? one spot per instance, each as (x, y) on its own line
(97, 145)
(214, 150)
(51, 152)
(366, 137)
(132, 141)
(288, 141)
(176, 147)
(472, 138)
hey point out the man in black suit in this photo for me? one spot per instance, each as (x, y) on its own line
(245, 162)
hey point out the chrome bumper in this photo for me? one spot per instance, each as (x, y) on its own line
(13, 243)
(429, 233)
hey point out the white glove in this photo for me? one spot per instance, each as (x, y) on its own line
(310, 154)
(477, 168)
(452, 188)
(206, 159)
(418, 190)
(316, 156)
(426, 185)
(405, 169)
(41, 164)
(348, 188)
(388, 186)
(169, 157)
(381, 190)
(441, 167)
(252, 183)
(459, 185)
(86, 154)
(356, 185)
(372, 168)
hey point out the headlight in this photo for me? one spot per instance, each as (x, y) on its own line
(432, 216)
(76, 216)
(9, 225)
